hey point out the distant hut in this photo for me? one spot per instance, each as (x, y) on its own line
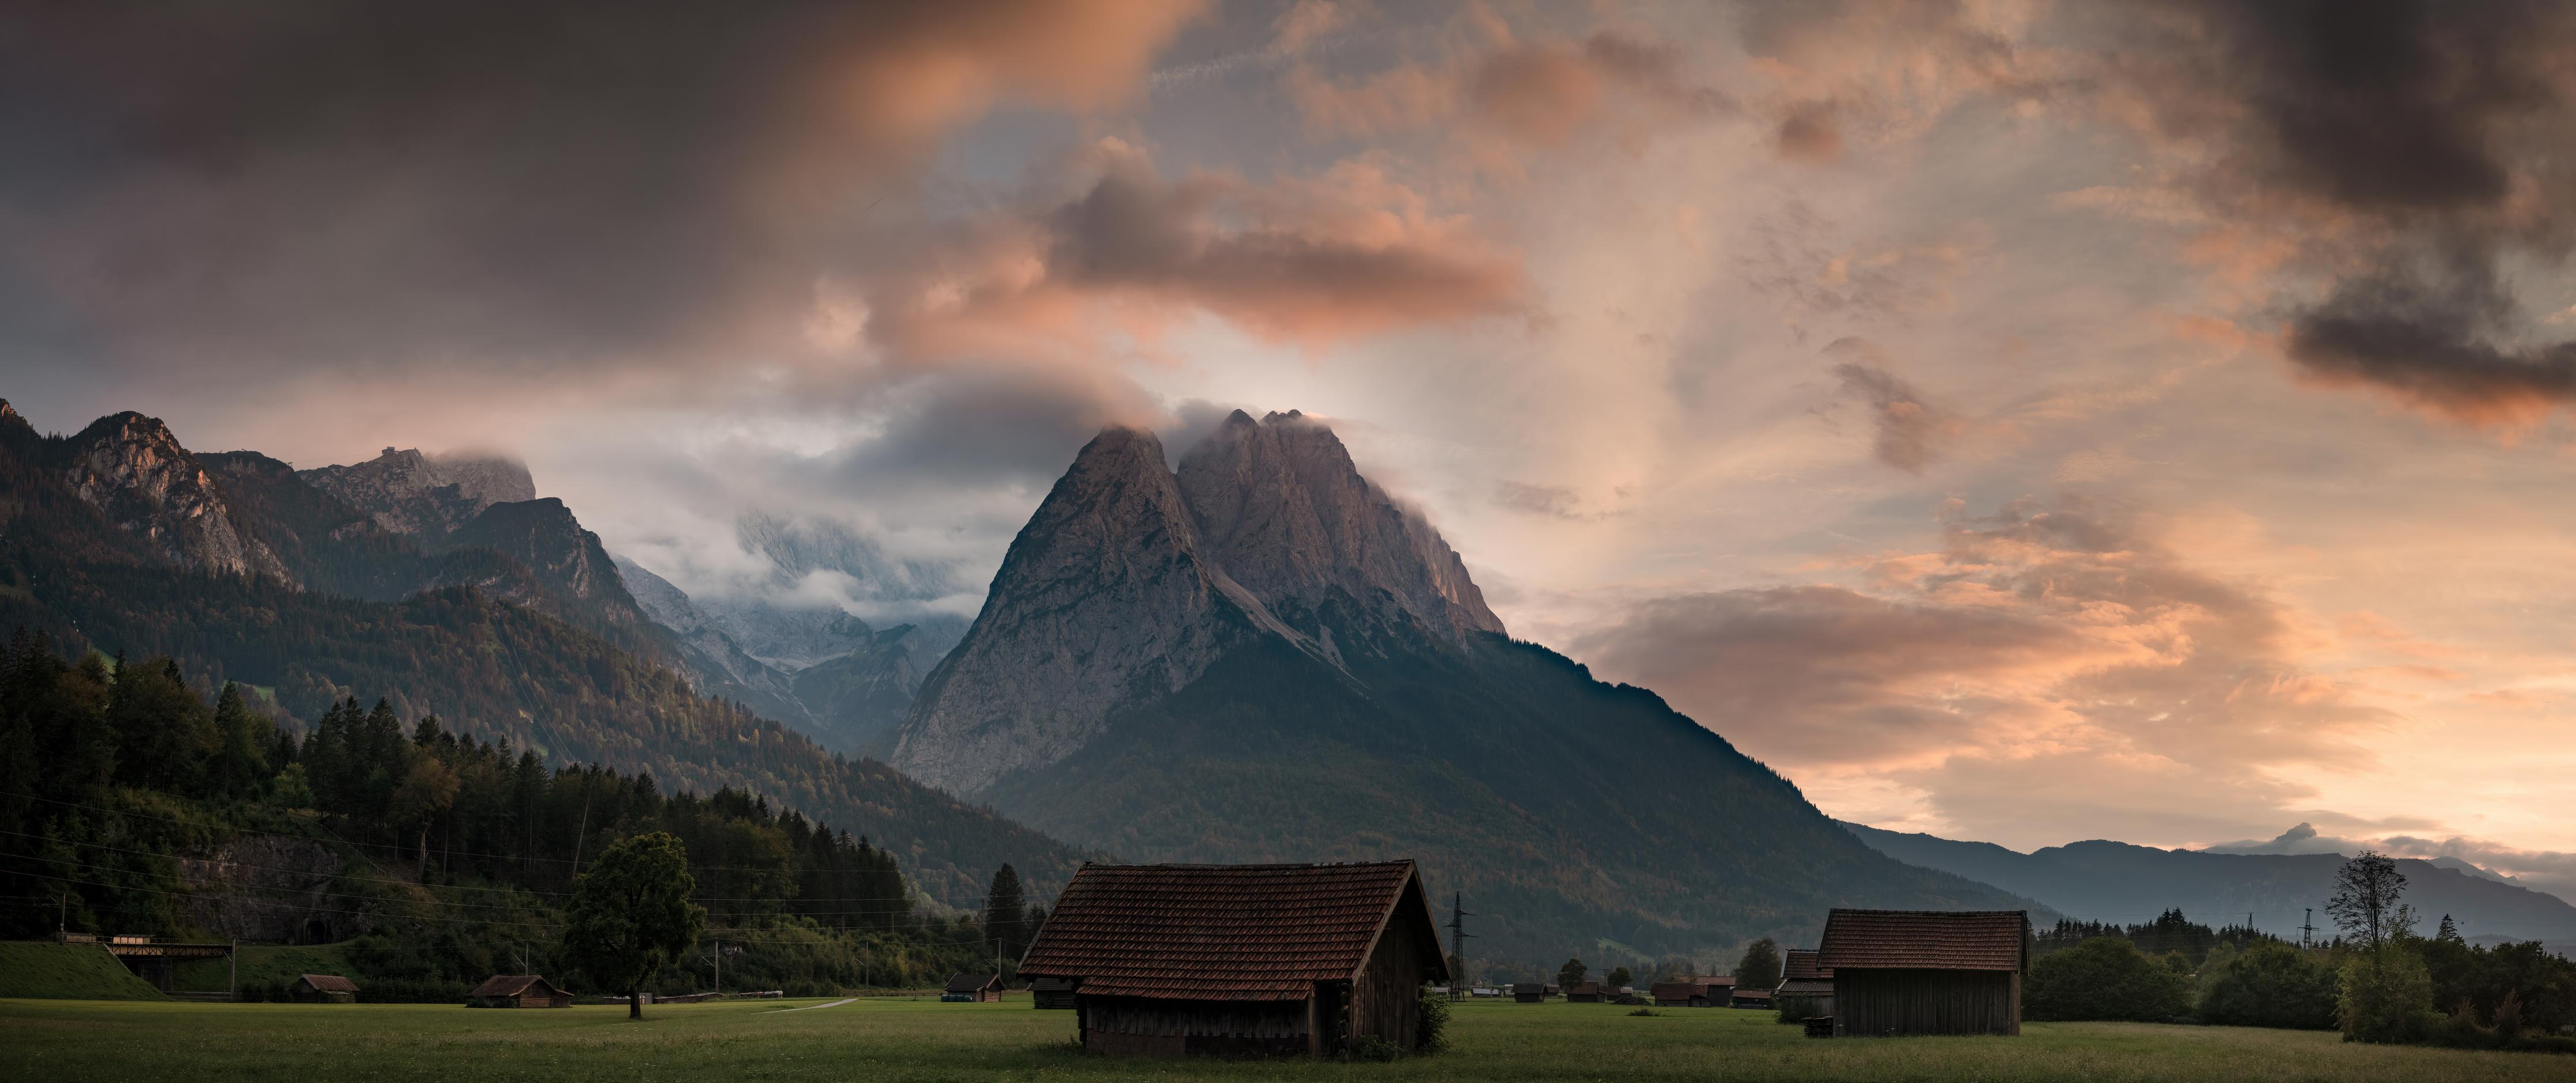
(517, 991)
(1680, 994)
(1242, 959)
(1529, 992)
(1051, 993)
(1584, 992)
(1750, 998)
(1806, 987)
(1926, 971)
(973, 989)
(322, 989)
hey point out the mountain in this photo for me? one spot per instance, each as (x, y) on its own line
(121, 540)
(1261, 656)
(410, 493)
(2116, 881)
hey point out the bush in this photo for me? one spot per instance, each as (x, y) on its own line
(1373, 1048)
(1431, 1033)
(2386, 995)
(2271, 985)
(2105, 978)
(1645, 1011)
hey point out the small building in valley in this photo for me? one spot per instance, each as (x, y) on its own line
(323, 989)
(1709, 991)
(1241, 959)
(1750, 998)
(1806, 987)
(518, 991)
(1584, 992)
(1051, 993)
(1898, 972)
(1529, 992)
(973, 989)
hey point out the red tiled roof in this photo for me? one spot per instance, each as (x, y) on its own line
(1801, 964)
(1225, 932)
(510, 985)
(1925, 939)
(330, 983)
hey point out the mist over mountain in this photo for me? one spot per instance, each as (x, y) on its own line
(1260, 655)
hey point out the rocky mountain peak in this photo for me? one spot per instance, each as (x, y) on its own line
(130, 467)
(1104, 596)
(408, 492)
(1282, 508)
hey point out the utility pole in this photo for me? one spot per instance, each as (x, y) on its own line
(719, 968)
(232, 964)
(2308, 931)
(1458, 935)
(583, 834)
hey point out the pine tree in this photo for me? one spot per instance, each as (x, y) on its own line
(1006, 913)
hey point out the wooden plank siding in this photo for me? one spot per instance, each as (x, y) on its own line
(1386, 998)
(1881, 1003)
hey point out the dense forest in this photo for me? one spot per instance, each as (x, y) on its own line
(129, 803)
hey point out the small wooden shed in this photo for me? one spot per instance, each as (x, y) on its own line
(1899, 972)
(1051, 993)
(323, 989)
(1529, 992)
(1806, 987)
(973, 989)
(1242, 959)
(1584, 992)
(518, 991)
(1750, 998)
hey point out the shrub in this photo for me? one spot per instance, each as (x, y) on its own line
(1373, 1048)
(2104, 978)
(2272, 985)
(1431, 1032)
(1645, 1011)
(2385, 995)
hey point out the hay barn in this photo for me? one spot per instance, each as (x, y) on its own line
(1899, 972)
(1584, 992)
(973, 989)
(517, 991)
(1806, 988)
(1241, 959)
(323, 989)
(1051, 993)
(1529, 992)
(1750, 998)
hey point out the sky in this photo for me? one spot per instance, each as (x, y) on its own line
(2015, 421)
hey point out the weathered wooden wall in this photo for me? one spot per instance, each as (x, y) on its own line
(1876, 1003)
(1386, 1001)
(1226, 1027)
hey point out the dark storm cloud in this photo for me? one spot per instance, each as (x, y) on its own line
(541, 184)
(2418, 145)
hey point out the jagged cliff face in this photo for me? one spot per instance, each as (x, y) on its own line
(411, 493)
(1103, 598)
(1279, 505)
(1130, 581)
(130, 467)
(567, 562)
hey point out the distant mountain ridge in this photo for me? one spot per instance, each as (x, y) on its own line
(2117, 881)
(513, 624)
(1260, 655)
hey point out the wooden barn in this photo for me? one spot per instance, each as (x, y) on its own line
(1806, 988)
(1241, 959)
(1899, 972)
(1529, 992)
(1584, 992)
(973, 989)
(517, 991)
(1700, 992)
(323, 989)
(1051, 993)
(1750, 998)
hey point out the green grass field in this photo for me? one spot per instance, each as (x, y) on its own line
(84, 971)
(921, 1039)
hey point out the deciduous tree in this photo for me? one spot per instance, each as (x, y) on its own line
(630, 913)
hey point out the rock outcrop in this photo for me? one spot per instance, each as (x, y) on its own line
(131, 468)
(411, 493)
(1104, 597)
(574, 572)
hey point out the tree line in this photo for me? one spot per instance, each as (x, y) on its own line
(454, 854)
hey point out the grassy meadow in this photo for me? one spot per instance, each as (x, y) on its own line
(895, 1038)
